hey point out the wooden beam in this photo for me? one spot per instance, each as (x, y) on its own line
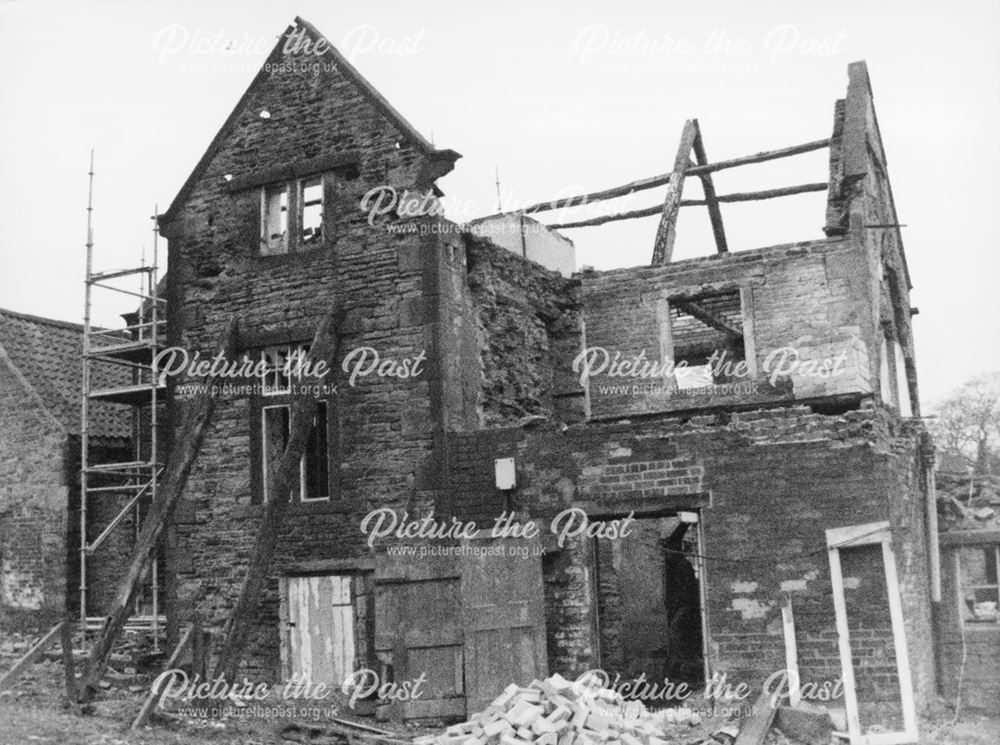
(597, 196)
(760, 157)
(31, 656)
(857, 535)
(706, 317)
(69, 665)
(755, 196)
(844, 644)
(666, 232)
(758, 724)
(650, 211)
(791, 652)
(652, 182)
(909, 732)
(714, 214)
(303, 411)
(156, 692)
(196, 417)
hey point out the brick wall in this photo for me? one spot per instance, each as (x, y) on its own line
(811, 297)
(33, 501)
(767, 483)
(970, 655)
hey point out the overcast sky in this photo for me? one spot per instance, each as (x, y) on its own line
(559, 97)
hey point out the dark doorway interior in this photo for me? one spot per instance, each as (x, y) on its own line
(650, 605)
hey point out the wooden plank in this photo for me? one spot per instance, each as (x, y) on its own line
(749, 196)
(970, 537)
(659, 180)
(286, 474)
(899, 642)
(156, 693)
(755, 728)
(31, 656)
(195, 419)
(749, 335)
(756, 196)
(857, 535)
(844, 644)
(714, 214)
(69, 665)
(666, 231)
(791, 652)
(707, 317)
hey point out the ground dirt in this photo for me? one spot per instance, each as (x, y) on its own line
(35, 712)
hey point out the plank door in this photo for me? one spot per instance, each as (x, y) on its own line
(418, 631)
(503, 615)
(321, 645)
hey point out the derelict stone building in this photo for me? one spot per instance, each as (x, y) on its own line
(776, 474)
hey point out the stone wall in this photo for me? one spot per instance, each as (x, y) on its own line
(390, 285)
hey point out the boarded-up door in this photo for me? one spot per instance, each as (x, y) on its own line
(503, 615)
(320, 628)
(418, 632)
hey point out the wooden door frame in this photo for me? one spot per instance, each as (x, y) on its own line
(879, 533)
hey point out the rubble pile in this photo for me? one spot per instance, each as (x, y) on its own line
(556, 711)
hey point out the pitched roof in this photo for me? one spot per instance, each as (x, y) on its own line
(48, 353)
(376, 99)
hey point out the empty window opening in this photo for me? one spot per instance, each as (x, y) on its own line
(274, 220)
(979, 589)
(284, 366)
(313, 484)
(649, 609)
(707, 336)
(311, 211)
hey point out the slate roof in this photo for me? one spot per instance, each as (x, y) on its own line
(47, 353)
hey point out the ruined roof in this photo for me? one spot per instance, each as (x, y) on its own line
(48, 354)
(376, 99)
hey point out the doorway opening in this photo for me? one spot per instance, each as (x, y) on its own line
(650, 600)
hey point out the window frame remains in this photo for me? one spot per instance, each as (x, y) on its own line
(286, 204)
(965, 611)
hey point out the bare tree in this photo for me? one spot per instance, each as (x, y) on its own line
(968, 422)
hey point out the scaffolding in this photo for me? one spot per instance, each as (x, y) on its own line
(133, 347)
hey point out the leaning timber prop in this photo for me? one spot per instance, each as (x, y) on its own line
(195, 419)
(31, 657)
(156, 693)
(279, 486)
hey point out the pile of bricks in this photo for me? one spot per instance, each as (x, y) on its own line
(556, 711)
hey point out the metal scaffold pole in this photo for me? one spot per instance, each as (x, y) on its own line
(85, 399)
(120, 381)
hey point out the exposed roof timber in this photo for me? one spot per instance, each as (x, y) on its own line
(749, 196)
(654, 181)
(706, 316)
(714, 214)
(666, 231)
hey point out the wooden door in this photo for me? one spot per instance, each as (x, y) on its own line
(320, 613)
(503, 616)
(418, 632)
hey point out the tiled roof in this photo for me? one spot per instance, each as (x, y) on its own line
(48, 354)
